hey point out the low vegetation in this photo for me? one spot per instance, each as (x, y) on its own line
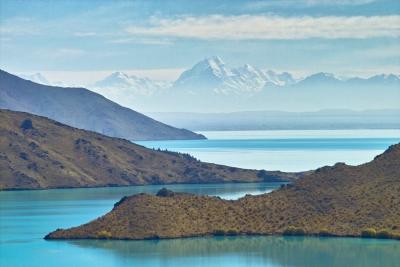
(291, 230)
(341, 200)
(38, 153)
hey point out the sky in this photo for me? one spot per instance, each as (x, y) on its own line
(86, 39)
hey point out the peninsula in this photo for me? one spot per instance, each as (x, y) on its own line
(340, 200)
(39, 153)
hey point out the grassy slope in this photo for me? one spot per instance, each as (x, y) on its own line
(340, 200)
(53, 155)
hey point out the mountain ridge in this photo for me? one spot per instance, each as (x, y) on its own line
(213, 86)
(96, 112)
(39, 153)
(216, 69)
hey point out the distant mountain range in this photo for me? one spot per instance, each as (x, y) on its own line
(210, 85)
(81, 108)
(135, 85)
(212, 74)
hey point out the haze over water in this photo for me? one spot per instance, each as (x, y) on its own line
(291, 150)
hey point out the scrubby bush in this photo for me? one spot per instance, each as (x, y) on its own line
(262, 174)
(164, 192)
(103, 234)
(232, 232)
(325, 232)
(396, 236)
(219, 232)
(26, 124)
(291, 230)
(384, 234)
(368, 233)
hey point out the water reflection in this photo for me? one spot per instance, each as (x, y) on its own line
(19, 199)
(255, 251)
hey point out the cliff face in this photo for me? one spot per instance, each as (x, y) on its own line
(84, 109)
(38, 153)
(340, 200)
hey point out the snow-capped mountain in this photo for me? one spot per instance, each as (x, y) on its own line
(211, 84)
(135, 85)
(36, 77)
(210, 73)
(320, 78)
(41, 79)
(213, 74)
(280, 79)
(385, 78)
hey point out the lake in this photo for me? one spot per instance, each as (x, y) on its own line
(292, 150)
(26, 216)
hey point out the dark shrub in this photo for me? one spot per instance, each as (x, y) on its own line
(384, 234)
(368, 233)
(219, 232)
(291, 230)
(396, 236)
(262, 174)
(232, 232)
(164, 192)
(26, 124)
(120, 201)
(23, 156)
(324, 232)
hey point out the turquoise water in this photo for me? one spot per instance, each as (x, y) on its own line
(285, 150)
(26, 216)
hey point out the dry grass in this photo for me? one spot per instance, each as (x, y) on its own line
(334, 201)
(38, 153)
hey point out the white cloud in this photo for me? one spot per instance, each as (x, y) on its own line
(305, 3)
(338, 2)
(271, 27)
(84, 34)
(19, 26)
(146, 41)
(62, 52)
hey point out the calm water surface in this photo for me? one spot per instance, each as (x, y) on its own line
(296, 150)
(26, 216)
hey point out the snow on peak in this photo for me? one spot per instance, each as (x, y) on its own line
(215, 61)
(36, 77)
(122, 81)
(212, 73)
(279, 79)
(386, 77)
(213, 66)
(119, 75)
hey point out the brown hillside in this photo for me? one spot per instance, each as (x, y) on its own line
(340, 200)
(38, 153)
(84, 109)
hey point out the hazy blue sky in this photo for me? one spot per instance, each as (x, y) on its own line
(342, 36)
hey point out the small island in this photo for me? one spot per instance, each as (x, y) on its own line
(342, 200)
